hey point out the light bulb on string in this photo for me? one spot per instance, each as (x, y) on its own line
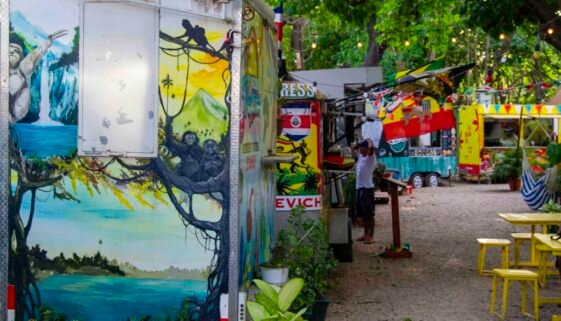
(454, 39)
(502, 36)
(407, 43)
(550, 31)
(314, 45)
(359, 44)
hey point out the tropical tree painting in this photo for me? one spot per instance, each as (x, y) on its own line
(102, 239)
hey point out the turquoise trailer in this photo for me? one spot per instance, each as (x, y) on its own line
(421, 161)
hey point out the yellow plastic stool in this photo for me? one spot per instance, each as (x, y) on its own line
(483, 243)
(556, 318)
(518, 239)
(543, 253)
(522, 276)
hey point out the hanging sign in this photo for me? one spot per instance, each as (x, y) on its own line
(297, 90)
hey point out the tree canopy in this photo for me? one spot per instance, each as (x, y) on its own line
(515, 43)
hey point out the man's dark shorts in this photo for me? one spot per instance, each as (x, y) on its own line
(364, 202)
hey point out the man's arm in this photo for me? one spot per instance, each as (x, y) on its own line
(371, 148)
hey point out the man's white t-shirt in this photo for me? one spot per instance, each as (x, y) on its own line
(364, 170)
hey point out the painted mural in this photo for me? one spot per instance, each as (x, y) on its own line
(107, 239)
(299, 183)
(259, 97)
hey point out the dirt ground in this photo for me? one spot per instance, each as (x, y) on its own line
(440, 282)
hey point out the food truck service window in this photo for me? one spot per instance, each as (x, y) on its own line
(118, 102)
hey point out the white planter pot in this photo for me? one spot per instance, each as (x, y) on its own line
(277, 276)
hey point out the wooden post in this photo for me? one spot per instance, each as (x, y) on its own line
(396, 251)
(395, 215)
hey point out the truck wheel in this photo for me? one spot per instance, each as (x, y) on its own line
(432, 180)
(416, 180)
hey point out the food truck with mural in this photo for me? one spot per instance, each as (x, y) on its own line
(413, 120)
(418, 142)
(136, 145)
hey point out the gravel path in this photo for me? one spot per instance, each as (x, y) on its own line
(440, 282)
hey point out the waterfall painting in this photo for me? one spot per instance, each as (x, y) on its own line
(43, 61)
(117, 239)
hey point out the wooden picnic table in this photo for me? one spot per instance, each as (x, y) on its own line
(532, 219)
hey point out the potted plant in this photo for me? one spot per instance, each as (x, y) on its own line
(310, 258)
(273, 303)
(509, 168)
(276, 271)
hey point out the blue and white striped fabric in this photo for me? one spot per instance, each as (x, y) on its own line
(535, 192)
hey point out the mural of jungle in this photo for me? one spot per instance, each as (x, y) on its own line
(107, 239)
(258, 98)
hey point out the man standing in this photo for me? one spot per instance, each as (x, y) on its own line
(364, 203)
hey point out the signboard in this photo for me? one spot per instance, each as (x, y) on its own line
(299, 183)
(297, 90)
(471, 134)
(285, 203)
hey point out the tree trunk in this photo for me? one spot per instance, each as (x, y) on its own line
(375, 50)
(297, 41)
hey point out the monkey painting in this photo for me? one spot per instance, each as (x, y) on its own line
(213, 161)
(188, 150)
(196, 33)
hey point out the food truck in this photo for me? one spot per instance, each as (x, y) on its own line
(490, 129)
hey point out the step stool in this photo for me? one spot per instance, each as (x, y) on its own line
(518, 239)
(483, 243)
(522, 276)
(556, 318)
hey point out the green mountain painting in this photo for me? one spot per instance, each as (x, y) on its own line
(203, 115)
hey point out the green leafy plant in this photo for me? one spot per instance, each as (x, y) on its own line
(308, 255)
(553, 154)
(273, 303)
(509, 166)
(551, 207)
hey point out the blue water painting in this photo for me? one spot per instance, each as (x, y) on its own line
(38, 141)
(112, 298)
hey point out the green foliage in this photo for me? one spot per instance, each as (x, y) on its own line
(378, 174)
(553, 154)
(349, 189)
(273, 303)
(47, 313)
(428, 23)
(509, 166)
(307, 254)
(551, 207)
(494, 16)
(61, 264)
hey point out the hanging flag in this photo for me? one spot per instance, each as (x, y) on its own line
(438, 63)
(278, 22)
(296, 120)
(414, 119)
